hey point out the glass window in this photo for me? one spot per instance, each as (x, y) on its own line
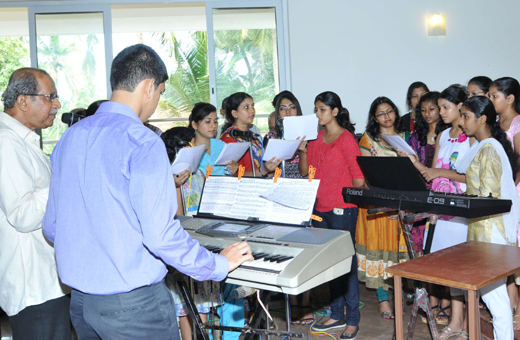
(14, 44)
(71, 48)
(246, 57)
(177, 33)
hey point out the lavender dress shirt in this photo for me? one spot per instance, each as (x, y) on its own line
(111, 208)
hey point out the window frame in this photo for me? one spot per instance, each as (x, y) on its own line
(86, 6)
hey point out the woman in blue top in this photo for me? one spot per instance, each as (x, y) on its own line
(203, 122)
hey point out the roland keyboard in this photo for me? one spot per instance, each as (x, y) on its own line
(428, 201)
(287, 259)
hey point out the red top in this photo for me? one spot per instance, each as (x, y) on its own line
(336, 165)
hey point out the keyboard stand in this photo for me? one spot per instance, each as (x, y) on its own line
(420, 296)
(249, 332)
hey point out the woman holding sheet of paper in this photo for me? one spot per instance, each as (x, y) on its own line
(203, 122)
(452, 144)
(333, 155)
(240, 112)
(286, 106)
(377, 235)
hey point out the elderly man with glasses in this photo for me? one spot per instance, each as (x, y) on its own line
(31, 293)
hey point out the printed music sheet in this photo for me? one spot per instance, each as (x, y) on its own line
(284, 191)
(225, 196)
(398, 143)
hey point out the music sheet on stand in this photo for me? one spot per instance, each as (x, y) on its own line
(240, 199)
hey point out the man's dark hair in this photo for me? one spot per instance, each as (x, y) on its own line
(135, 64)
(22, 81)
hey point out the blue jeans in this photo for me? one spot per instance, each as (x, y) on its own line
(344, 290)
(143, 313)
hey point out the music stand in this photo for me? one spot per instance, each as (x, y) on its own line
(392, 173)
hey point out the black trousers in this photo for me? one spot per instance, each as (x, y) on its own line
(47, 321)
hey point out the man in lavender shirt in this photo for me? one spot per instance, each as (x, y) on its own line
(111, 210)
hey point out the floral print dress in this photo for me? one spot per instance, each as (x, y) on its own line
(449, 231)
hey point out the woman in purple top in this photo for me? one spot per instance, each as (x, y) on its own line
(428, 124)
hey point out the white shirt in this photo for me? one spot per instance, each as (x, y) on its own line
(28, 274)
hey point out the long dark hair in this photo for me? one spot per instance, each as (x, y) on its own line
(333, 101)
(281, 96)
(175, 139)
(373, 129)
(232, 103)
(422, 127)
(413, 86)
(507, 86)
(199, 112)
(482, 82)
(482, 106)
(454, 94)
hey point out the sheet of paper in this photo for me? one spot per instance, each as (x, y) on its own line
(284, 193)
(248, 203)
(218, 195)
(299, 126)
(232, 152)
(285, 214)
(240, 199)
(399, 143)
(188, 158)
(279, 148)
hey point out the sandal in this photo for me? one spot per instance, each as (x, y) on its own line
(441, 313)
(304, 320)
(449, 333)
(296, 317)
(424, 319)
(388, 315)
(462, 335)
(516, 322)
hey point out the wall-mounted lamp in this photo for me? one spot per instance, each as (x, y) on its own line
(436, 25)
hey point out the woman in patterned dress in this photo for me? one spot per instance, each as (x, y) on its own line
(451, 144)
(377, 235)
(240, 112)
(286, 106)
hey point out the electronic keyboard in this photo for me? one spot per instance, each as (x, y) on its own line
(287, 259)
(439, 203)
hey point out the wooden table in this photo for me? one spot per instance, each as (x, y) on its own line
(470, 265)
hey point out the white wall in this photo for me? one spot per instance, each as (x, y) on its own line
(364, 49)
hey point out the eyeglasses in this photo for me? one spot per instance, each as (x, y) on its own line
(285, 108)
(51, 97)
(387, 113)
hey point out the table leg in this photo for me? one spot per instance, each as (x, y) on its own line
(398, 300)
(473, 315)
